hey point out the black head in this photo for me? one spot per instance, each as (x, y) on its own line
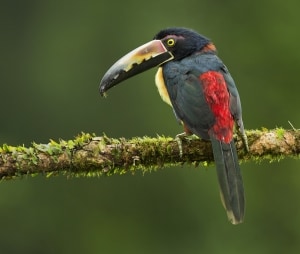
(182, 42)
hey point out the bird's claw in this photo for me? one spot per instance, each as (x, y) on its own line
(179, 137)
(245, 142)
(242, 134)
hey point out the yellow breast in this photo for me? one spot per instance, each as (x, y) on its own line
(160, 83)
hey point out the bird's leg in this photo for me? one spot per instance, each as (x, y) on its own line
(178, 139)
(243, 135)
(187, 135)
(245, 141)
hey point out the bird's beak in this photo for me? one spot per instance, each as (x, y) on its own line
(139, 60)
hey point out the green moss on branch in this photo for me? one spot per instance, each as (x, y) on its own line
(89, 155)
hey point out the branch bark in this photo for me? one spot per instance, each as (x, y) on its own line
(89, 155)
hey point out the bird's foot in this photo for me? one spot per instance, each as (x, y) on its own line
(245, 142)
(179, 137)
(242, 134)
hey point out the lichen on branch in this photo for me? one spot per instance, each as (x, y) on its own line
(91, 155)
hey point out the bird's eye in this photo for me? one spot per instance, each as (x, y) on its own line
(170, 42)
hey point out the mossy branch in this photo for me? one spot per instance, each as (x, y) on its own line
(89, 155)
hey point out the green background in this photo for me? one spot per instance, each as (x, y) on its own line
(53, 55)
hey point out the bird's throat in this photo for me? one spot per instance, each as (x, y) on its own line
(160, 84)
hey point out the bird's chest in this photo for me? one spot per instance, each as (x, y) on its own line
(168, 78)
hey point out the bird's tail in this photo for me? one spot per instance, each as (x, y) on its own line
(230, 179)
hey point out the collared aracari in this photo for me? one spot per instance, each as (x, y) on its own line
(195, 82)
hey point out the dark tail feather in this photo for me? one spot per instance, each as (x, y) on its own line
(230, 179)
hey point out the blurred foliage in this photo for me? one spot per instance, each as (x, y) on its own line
(53, 54)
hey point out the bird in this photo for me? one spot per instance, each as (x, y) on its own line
(194, 81)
